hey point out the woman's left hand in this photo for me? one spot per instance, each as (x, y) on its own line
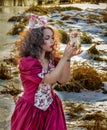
(79, 51)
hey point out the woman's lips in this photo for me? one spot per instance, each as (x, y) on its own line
(52, 46)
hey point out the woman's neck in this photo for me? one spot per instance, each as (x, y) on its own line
(42, 56)
(44, 61)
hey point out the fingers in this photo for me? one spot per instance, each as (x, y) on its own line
(71, 44)
(71, 50)
(79, 52)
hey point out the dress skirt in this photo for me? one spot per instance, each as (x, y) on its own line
(28, 117)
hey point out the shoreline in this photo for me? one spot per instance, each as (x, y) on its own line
(7, 103)
(20, 9)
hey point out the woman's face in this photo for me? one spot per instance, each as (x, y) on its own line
(48, 37)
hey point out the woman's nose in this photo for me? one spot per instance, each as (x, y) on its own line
(52, 41)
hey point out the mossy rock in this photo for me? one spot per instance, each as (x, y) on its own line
(64, 36)
(99, 58)
(59, 23)
(105, 33)
(11, 89)
(82, 76)
(93, 50)
(18, 18)
(14, 19)
(70, 8)
(10, 61)
(66, 17)
(85, 39)
(105, 16)
(38, 10)
(17, 29)
(47, 10)
(5, 72)
(87, 76)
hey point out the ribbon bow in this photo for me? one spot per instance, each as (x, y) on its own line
(36, 21)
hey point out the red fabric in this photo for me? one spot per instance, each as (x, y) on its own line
(28, 117)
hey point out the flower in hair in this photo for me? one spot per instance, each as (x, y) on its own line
(36, 21)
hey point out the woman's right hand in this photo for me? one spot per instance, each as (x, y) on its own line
(70, 50)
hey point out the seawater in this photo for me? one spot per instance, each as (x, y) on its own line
(7, 41)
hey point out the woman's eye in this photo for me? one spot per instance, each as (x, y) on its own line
(46, 38)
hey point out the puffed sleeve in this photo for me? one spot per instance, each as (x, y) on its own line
(30, 69)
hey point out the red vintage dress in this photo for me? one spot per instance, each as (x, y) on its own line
(39, 108)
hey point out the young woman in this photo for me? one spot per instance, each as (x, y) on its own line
(39, 108)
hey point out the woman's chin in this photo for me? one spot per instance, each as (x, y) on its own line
(50, 50)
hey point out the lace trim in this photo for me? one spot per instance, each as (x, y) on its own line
(43, 97)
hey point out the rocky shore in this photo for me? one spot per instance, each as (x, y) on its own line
(80, 115)
(6, 108)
